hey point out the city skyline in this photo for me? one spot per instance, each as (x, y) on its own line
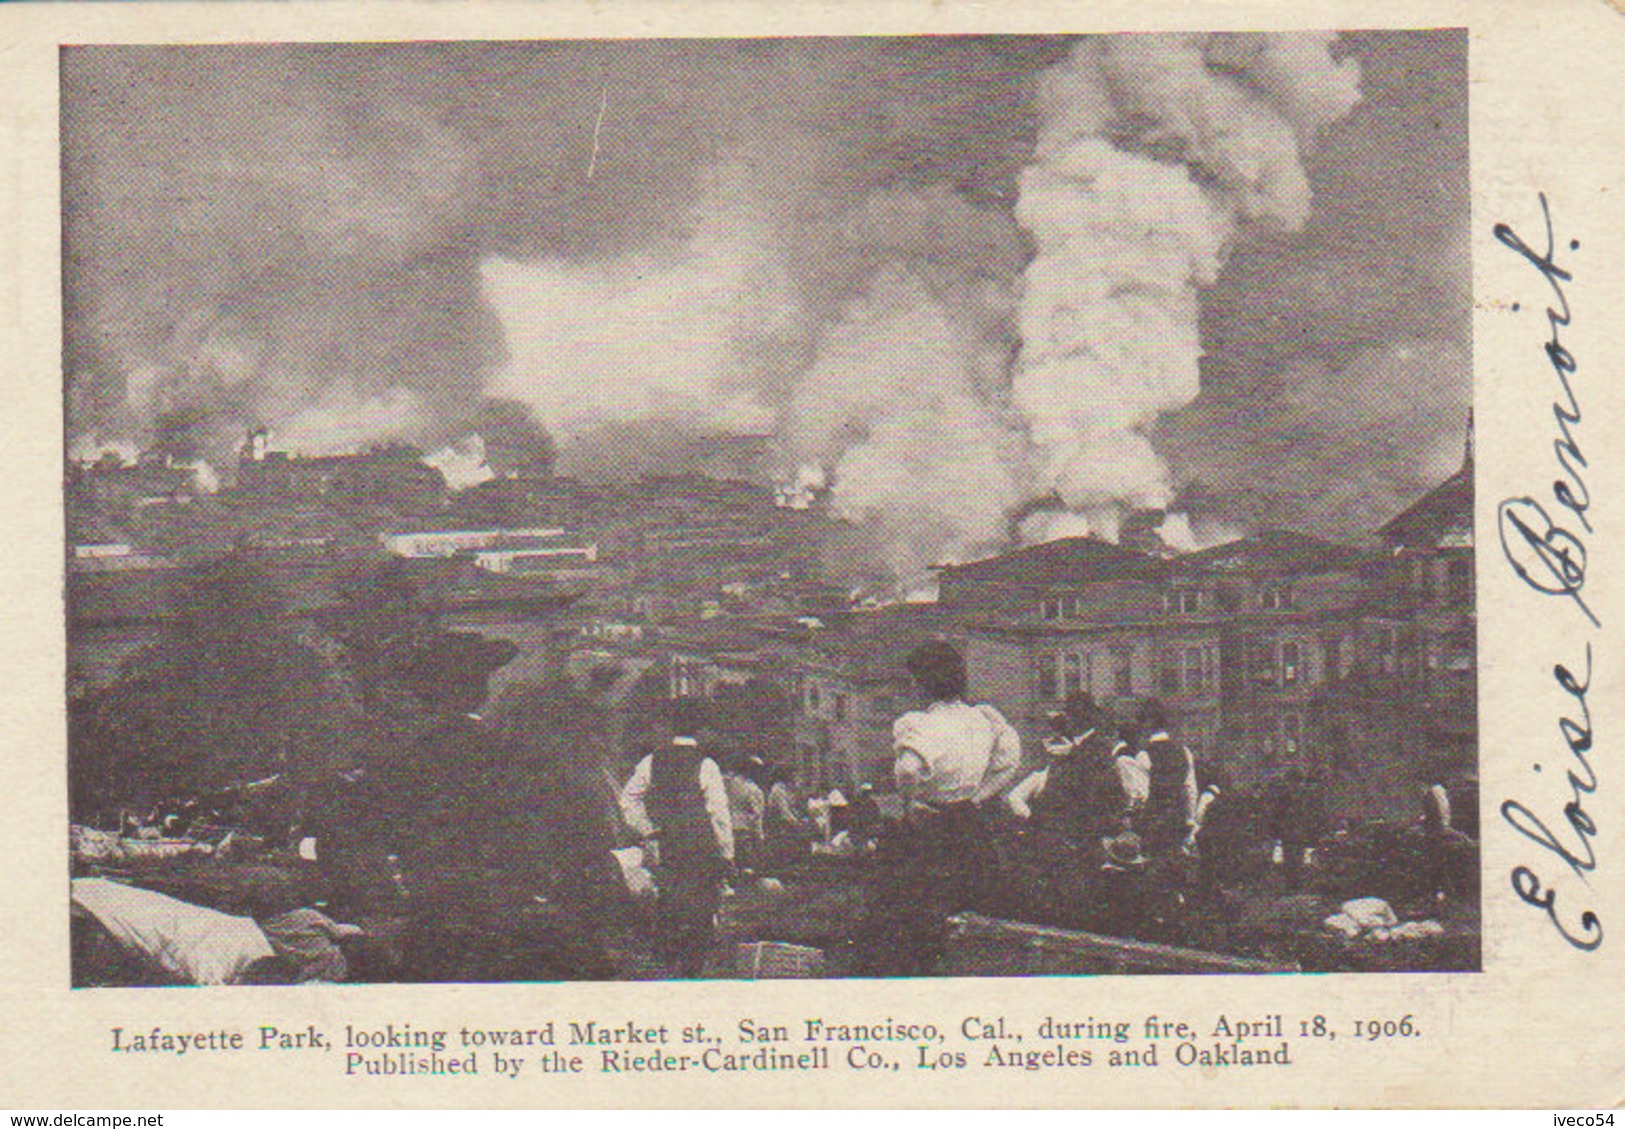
(797, 243)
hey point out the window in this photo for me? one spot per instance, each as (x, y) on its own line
(1291, 664)
(1052, 609)
(685, 677)
(1263, 662)
(1183, 601)
(1276, 597)
(839, 701)
(1200, 733)
(1079, 606)
(1047, 685)
(1170, 681)
(1291, 735)
(1197, 668)
(1071, 673)
(1332, 647)
(1123, 672)
(1387, 650)
(814, 698)
(1459, 580)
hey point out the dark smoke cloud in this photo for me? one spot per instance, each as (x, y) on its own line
(779, 242)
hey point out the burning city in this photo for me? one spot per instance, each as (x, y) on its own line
(424, 742)
(955, 506)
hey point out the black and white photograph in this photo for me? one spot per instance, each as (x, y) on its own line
(769, 508)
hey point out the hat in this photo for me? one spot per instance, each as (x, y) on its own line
(1083, 712)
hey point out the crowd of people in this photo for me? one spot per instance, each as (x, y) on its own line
(473, 831)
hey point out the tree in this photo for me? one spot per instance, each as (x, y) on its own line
(228, 694)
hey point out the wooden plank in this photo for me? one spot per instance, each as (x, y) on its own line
(969, 931)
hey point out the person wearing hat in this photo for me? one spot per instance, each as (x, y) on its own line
(1065, 793)
(1449, 829)
(457, 818)
(428, 783)
(952, 758)
(748, 805)
(1063, 809)
(1298, 821)
(677, 801)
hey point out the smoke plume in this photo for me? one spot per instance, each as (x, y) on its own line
(960, 286)
(1152, 150)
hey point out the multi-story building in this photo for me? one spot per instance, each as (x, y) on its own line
(388, 476)
(1279, 649)
(851, 685)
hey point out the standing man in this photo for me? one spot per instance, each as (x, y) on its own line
(1299, 820)
(747, 804)
(1171, 802)
(951, 759)
(676, 800)
(1065, 809)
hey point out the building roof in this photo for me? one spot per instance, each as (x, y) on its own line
(721, 635)
(1070, 560)
(1274, 552)
(1448, 505)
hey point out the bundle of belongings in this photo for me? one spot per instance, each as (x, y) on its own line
(90, 847)
(1374, 919)
(189, 944)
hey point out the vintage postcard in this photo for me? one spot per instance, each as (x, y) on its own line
(900, 555)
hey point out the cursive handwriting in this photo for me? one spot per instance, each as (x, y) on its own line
(1549, 554)
(1577, 853)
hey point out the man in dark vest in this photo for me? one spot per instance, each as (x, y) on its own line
(677, 801)
(1171, 804)
(1065, 809)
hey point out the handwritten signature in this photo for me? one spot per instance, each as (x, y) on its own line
(1550, 556)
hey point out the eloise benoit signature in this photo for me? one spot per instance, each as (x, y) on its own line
(1547, 550)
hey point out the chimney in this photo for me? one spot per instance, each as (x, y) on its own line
(1139, 532)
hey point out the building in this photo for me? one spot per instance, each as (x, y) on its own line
(1432, 592)
(850, 684)
(1275, 650)
(108, 484)
(393, 476)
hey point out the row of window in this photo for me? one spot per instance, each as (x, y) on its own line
(1180, 670)
(1189, 670)
(1101, 674)
(1448, 582)
(1179, 601)
(814, 699)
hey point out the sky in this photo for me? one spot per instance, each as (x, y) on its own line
(981, 289)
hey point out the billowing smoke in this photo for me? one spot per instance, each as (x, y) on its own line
(959, 287)
(650, 336)
(462, 464)
(1152, 150)
(1397, 411)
